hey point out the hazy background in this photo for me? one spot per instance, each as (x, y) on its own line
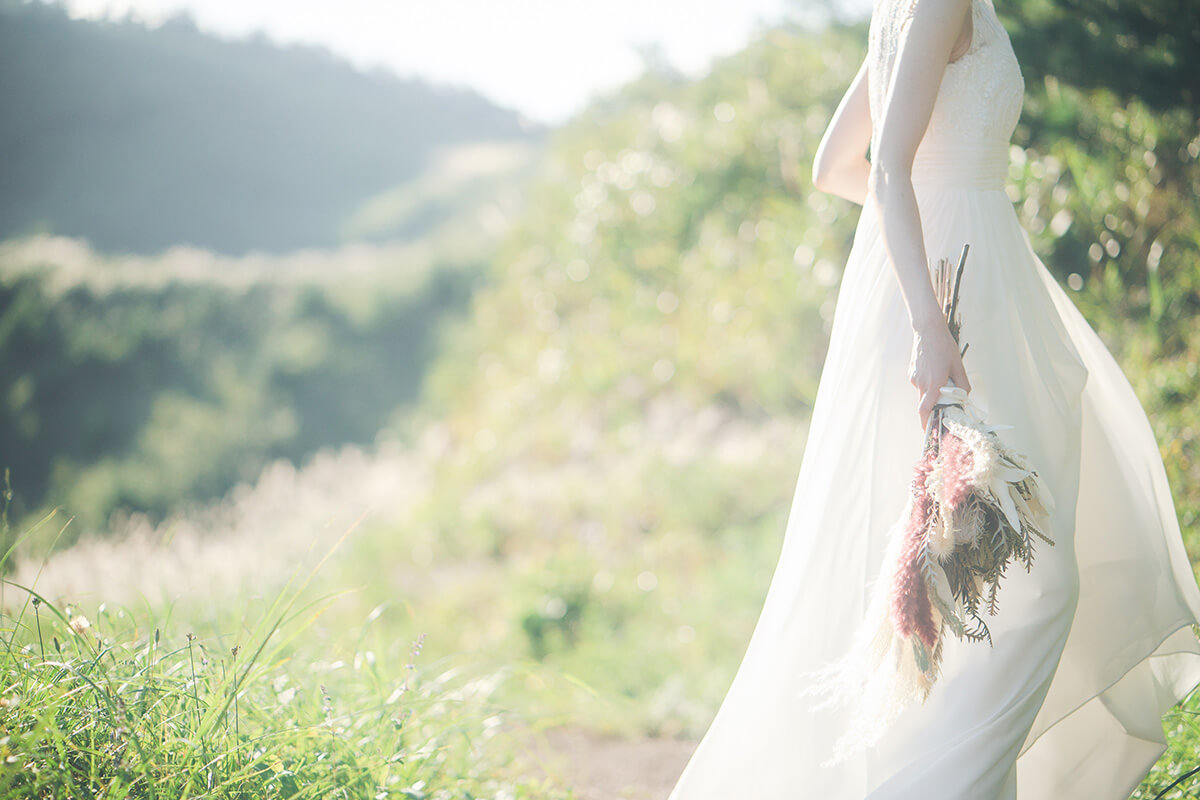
(527, 300)
(544, 58)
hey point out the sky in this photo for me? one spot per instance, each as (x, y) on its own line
(544, 58)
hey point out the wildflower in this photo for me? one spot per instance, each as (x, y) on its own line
(79, 624)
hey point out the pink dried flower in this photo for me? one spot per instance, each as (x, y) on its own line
(958, 464)
(911, 607)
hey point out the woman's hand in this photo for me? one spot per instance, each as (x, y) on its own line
(935, 361)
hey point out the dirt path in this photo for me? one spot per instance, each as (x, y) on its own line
(602, 767)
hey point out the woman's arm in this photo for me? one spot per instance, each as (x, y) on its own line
(923, 51)
(841, 165)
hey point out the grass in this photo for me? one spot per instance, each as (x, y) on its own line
(257, 701)
(1176, 776)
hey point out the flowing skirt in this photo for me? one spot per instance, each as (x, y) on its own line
(1090, 647)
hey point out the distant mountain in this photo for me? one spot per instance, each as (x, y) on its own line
(141, 138)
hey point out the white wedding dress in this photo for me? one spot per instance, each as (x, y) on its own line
(1094, 644)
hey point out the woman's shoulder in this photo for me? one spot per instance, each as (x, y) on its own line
(906, 8)
(901, 11)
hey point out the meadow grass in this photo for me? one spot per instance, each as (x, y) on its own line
(256, 701)
(1176, 776)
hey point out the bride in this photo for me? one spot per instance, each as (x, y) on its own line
(1090, 646)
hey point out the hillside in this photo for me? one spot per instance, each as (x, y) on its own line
(137, 139)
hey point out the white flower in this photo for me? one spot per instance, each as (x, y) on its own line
(983, 450)
(79, 624)
(935, 481)
(941, 536)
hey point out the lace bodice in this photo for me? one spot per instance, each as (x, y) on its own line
(977, 105)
